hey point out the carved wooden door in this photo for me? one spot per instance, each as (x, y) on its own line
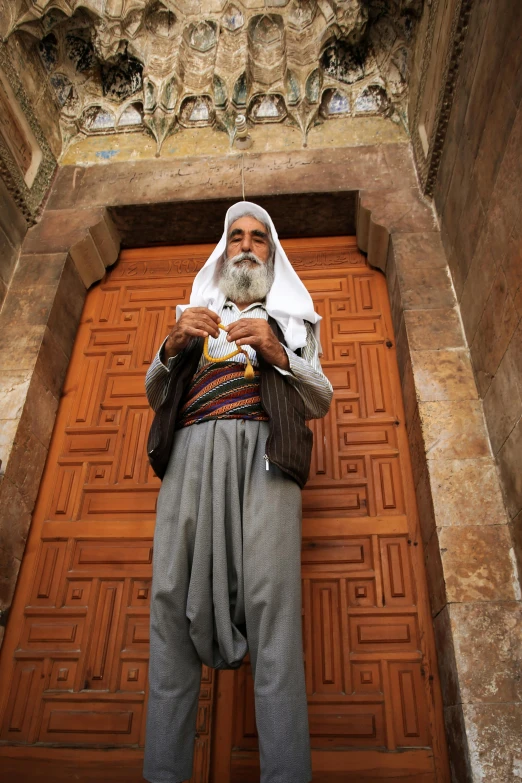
(373, 694)
(74, 662)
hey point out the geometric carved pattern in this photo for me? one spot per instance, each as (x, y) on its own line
(79, 638)
(79, 664)
(364, 653)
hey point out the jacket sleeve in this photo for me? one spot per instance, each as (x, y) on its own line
(157, 378)
(307, 377)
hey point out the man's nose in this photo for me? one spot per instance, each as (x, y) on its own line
(246, 243)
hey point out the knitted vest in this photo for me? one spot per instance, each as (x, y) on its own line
(289, 442)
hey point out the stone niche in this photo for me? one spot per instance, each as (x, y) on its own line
(26, 160)
(17, 134)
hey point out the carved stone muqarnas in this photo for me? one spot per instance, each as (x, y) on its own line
(124, 65)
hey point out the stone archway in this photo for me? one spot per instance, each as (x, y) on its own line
(473, 587)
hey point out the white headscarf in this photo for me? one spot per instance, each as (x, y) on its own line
(288, 301)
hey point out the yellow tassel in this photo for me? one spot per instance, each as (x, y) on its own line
(249, 370)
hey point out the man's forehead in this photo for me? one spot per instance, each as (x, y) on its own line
(247, 223)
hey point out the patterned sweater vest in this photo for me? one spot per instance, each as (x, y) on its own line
(289, 442)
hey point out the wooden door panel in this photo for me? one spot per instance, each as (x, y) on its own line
(365, 622)
(75, 657)
(76, 652)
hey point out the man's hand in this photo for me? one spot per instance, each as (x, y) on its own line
(257, 333)
(194, 322)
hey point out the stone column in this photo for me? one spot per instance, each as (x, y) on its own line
(472, 576)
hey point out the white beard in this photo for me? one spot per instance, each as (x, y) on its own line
(242, 283)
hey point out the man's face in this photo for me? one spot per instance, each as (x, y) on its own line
(247, 271)
(248, 235)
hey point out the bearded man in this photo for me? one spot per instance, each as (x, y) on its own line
(226, 572)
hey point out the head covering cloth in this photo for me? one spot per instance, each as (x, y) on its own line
(288, 301)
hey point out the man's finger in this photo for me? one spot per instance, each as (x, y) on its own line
(241, 332)
(193, 332)
(202, 321)
(211, 314)
(249, 339)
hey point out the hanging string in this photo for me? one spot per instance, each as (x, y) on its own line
(249, 370)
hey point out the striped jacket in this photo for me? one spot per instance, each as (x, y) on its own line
(289, 442)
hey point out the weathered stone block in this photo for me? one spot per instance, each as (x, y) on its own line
(65, 187)
(26, 307)
(401, 165)
(471, 223)
(495, 741)
(13, 391)
(502, 112)
(443, 375)
(425, 506)
(433, 330)
(476, 289)
(458, 190)
(449, 677)
(381, 213)
(402, 347)
(8, 429)
(59, 230)
(51, 364)
(496, 327)
(460, 766)
(425, 289)
(409, 395)
(19, 345)
(487, 70)
(510, 461)
(417, 447)
(9, 568)
(466, 492)
(88, 261)
(512, 266)
(503, 400)
(453, 263)
(488, 650)
(453, 429)
(150, 181)
(516, 533)
(67, 307)
(396, 305)
(478, 563)
(26, 463)
(15, 520)
(39, 411)
(38, 270)
(435, 575)
(12, 222)
(8, 257)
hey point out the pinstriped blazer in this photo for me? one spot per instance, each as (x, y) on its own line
(289, 443)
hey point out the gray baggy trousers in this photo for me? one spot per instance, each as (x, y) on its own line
(226, 579)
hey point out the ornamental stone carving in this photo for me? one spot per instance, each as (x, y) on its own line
(164, 65)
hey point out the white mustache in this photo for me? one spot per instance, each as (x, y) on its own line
(245, 257)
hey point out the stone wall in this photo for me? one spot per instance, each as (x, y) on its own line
(478, 196)
(22, 50)
(12, 231)
(36, 101)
